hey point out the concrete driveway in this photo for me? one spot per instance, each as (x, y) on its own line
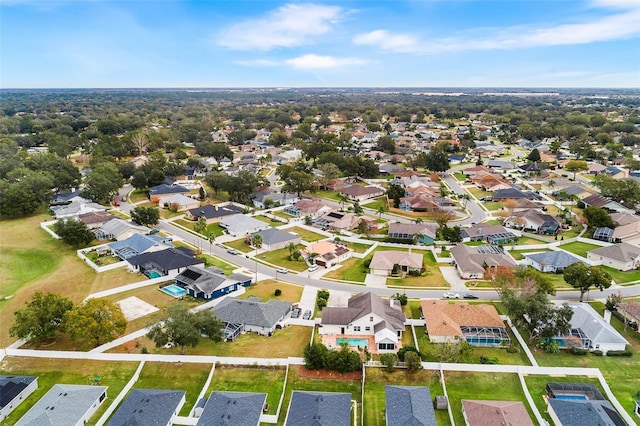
(451, 276)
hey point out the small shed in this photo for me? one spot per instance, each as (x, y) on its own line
(441, 402)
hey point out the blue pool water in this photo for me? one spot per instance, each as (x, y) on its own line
(571, 397)
(353, 342)
(174, 290)
(483, 342)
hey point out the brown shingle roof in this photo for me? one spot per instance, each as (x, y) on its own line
(496, 413)
(386, 259)
(445, 319)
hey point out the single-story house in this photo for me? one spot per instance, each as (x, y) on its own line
(341, 221)
(384, 262)
(409, 405)
(630, 310)
(95, 219)
(14, 390)
(164, 262)
(68, 197)
(232, 408)
(472, 262)
(213, 213)
(424, 203)
(629, 233)
(262, 199)
(590, 331)
(361, 193)
(119, 229)
(251, 315)
(492, 234)
(406, 231)
(274, 238)
(319, 409)
(478, 325)
(208, 283)
(326, 253)
(504, 194)
(551, 261)
(162, 190)
(490, 182)
(501, 165)
(303, 208)
(289, 156)
(239, 224)
(178, 202)
(149, 407)
(495, 413)
(65, 405)
(535, 221)
(75, 209)
(367, 316)
(534, 167)
(474, 170)
(597, 200)
(138, 244)
(623, 256)
(620, 219)
(581, 412)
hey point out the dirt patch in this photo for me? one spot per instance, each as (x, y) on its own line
(329, 374)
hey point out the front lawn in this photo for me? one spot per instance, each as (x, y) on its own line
(579, 248)
(330, 195)
(493, 205)
(621, 277)
(138, 195)
(306, 235)
(376, 203)
(241, 245)
(432, 276)
(214, 228)
(266, 289)
(350, 270)
(280, 257)
(226, 267)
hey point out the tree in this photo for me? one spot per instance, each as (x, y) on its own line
(139, 180)
(185, 328)
(442, 217)
(200, 226)
(73, 232)
(598, 217)
(389, 360)
(95, 321)
(140, 141)
(357, 208)
(42, 317)
(145, 215)
(583, 277)
(103, 182)
(387, 144)
(256, 240)
(291, 247)
(299, 182)
(381, 210)
(314, 356)
(329, 172)
(534, 156)
(437, 160)
(576, 166)
(395, 192)
(412, 361)
(342, 199)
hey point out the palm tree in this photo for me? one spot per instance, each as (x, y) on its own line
(256, 241)
(418, 220)
(343, 199)
(417, 237)
(291, 247)
(381, 211)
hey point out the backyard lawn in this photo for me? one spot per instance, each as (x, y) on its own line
(358, 247)
(578, 248)
(571, 233)
(519, 254)
(269, 221)
(226, 267)
(280, 257)
(51, 371)
(306, 235)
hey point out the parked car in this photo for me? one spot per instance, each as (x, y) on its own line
(469, 296)
(282, 270)
(154, 231)
(312, 268)
(296, 313)
(307, 315)
(451, 295)
(232, 251)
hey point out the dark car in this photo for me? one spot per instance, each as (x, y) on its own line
(470, 296)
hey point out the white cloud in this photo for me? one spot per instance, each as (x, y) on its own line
(288, 26)
(317, 62)
(259, 63)
(382, 38)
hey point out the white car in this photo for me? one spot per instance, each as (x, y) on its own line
(282, 270)
(312, 268)
(451, 295)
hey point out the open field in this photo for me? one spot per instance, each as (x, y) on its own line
(115, 375)
(240, 244)
(280, 257)
(578, 248)
(265, 290)
(306, 235)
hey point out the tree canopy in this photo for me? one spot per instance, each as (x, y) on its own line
(583, 277)
(73, 232)
(43, 316)
(145, 215)
(95, 321)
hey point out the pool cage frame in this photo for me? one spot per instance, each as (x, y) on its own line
(231, 331)
(572, 338)
(558, 389)
(486, 336)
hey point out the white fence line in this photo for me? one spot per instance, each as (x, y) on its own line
(45, 226)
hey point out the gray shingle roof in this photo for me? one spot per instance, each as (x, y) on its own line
(214, 211)
(558, 259)
(623, 252)
(409, 406)
(251, 311)
(139, 243)
(319, 409)
(117, 227)
(274, 236)
(233, 409)
(147, 407)
(168, 259)
(585, 413)
(593, 325)
(361, 305)
(242, 224)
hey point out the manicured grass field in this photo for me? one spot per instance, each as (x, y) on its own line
(51, 371)
(493, 205)
(283, 215)
(21, 267)
(376, 203)
(218, 263)
(519, 254)
(269, 380)
(571, 233)
(359, 247)
(240, 244)
(306, 235)
(621, 277)
(526, 241)
(265, 290)
(432, 276)
(329, 194)
(578, 248)
(120, 214)
(189, 377)
(350, 270)
(280, 257)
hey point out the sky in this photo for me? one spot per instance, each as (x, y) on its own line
(372, 43)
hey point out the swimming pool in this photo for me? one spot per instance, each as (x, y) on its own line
(353, 342)
(174, 290)
(486, 341)
(571, 397)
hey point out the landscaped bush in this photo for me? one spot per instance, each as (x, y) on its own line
(632, 324)
(487, 360)
(323, 297)
(403, 350)
(578, 351)
(597, 352)
(278, 292)
(620, 353)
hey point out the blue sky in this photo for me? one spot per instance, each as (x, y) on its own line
(261, 43)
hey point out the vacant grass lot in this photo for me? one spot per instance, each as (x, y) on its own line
(21, 267)
(578, 248)
(621, 277)
(265, 290)
(431, 278)
(374, 393)
(269, 380)
(214, 228)
(189, 377)
(280, 257)
(519, 254)
(240, 244)
(79, 372)
(306, 235)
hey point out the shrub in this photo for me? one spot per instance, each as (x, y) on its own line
(620, 353)
(403, 350)
(321, 303)
(597, 352)
(389, 361)
(513, 350)
(578, 351)
(144, 350)
(278, 292)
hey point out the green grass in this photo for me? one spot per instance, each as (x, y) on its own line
(269, 380)
(358, 247)
(306, 235)
(283, 215)
(241, 245)
(280, 257)
(493, 205)
(374, 393)
(329, 194)
(376, 203)
(119, 214)
(218, 263)
(138, 195)
(350, 270)
(214, 228)
(51, 371)
(573, 232)
(265, 290)
(519, 254)
(189, 377)
(578, 248)
(432, 276)
(621, 277)
(460, 176)
(269, 221)
(20, 267)
(528, 241)
(478, 193)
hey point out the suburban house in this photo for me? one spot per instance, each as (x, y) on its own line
(239, 224)
(163, 190)
(65, 405)
(274, 238)
(590, 331)
(490, 182)
(501, 165)
(387, 262)
(597, 200)
(580, 404)
(425, 232)
(178, 202)
(534, 221)
(232, 408)
(341, 221)
(207, 283)
(620, 219)
(368, 317)
(424, 203)
(623, 256)
(630, 311)
(305, 207)
(68, 197)
(119, 229)
(289, 156)
(156, 264)
(138, 244)
(475, 170)
(326, 253)
(471, 262)
(513, 193)
(251, 315)
(478, 325)
(213, 213)
(492, 234)
(149, 407)
(319, 409)
(14, 390)
(495, 413)
(361, 193)
(409, 405)
(75, 209)
(266, 199)
(551, 261)
(95, 219)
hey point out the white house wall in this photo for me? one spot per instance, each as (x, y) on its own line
(15, 402)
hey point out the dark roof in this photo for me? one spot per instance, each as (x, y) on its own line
(319, 409)
(596, 200)
(212, 211)
(251, 311)
(558, 259)
(11, 386)
(147, 407)
(168, 259)
(514, 193)
(167, 189)
(585, 412)
(361, 305)
(532, 167)
(409, 406)
(65, 197)
(274, 236)
(233, 409)
(357, 190)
